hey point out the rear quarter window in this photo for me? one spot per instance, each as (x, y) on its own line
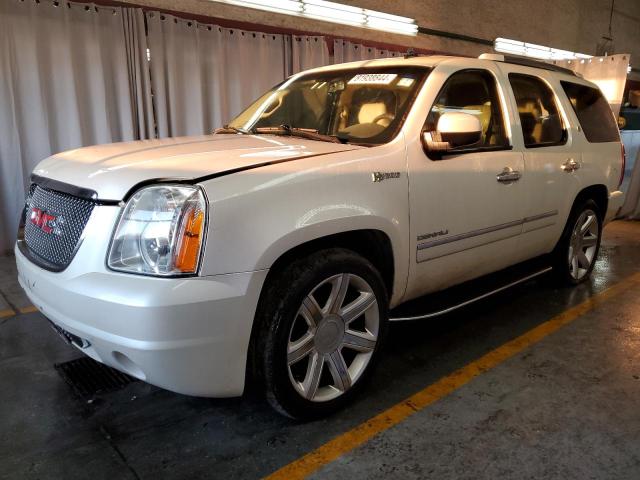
(593, 112)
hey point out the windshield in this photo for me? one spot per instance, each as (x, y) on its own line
(363, 105)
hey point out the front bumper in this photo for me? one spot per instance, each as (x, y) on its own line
(188, 335)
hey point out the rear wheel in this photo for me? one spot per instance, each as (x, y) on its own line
(578, 248)
(322, 328)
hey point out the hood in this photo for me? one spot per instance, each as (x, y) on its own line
(112, 170)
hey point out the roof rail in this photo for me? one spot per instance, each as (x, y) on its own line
(526, 62)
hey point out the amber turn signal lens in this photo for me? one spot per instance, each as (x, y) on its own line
(190, 240)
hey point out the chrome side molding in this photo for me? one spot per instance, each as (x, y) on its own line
(482, 231)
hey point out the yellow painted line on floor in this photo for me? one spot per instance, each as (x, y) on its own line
(29, 309)
(7, 313)
(364, 432)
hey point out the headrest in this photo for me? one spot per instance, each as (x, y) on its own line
(526, 105)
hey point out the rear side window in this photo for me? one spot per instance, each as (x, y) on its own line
(539, 115)
(593, 112)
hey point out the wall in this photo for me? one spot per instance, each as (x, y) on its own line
(575, 25)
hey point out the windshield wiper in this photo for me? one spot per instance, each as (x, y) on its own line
(308, 133)
(230, 129)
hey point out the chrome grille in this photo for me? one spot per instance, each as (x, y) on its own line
(53, 225)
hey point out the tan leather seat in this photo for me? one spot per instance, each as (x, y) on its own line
(370, 111)
(530, 118)
(483, 113)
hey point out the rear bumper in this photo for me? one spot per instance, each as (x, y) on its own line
(188, 335)
(616, 199)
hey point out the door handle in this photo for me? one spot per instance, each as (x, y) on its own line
(508, 175)
(570, 165)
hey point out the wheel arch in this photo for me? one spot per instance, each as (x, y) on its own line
(599, 193)
(563, 255)
(373, 244)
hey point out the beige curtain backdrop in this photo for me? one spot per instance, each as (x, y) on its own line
(345, 51)
(631, 183)
(204, 75)
(64, 83)
(308, 52)
(138, 71)
(79, 74)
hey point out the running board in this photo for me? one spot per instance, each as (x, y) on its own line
(441, 303)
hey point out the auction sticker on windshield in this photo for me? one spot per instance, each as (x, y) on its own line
(405, 82)
(373, 79)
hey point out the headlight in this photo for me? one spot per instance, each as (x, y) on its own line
(160, 232)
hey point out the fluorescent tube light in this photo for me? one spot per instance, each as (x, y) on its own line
(277, 6)
(333, 5)
(334, 12)
(388, 16)
(507, 45)
(396, 27)
(334, 15)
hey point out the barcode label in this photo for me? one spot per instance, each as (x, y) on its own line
(373, 79)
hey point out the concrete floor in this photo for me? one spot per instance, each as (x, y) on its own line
(567, 407)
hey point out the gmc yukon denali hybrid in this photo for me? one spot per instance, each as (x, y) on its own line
(275, 251)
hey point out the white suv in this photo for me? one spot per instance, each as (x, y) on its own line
(278, 248)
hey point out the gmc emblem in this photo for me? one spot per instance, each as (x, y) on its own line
(46, 222)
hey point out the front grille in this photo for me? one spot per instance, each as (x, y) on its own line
(53, 225)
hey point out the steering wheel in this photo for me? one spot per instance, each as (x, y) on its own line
(384, 116)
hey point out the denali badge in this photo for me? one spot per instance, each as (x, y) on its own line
(45, 221)
(433, 234)
(380, 176)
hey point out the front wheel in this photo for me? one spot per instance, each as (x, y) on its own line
(322, 327)
(578, 248)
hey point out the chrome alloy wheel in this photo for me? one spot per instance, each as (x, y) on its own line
(583, 244)
(333, 337)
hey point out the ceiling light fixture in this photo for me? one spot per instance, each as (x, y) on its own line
(540, 52)
(334, 12)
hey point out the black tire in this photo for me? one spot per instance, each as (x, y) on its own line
(279, 310)
(562, 265)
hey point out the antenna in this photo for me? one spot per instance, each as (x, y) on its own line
(606, 46)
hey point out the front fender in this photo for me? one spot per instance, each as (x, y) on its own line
(258, 215)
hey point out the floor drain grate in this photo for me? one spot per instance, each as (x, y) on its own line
(88, 377)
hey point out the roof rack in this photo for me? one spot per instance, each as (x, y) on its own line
(526, 62)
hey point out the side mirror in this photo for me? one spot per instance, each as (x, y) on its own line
(455, 129)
